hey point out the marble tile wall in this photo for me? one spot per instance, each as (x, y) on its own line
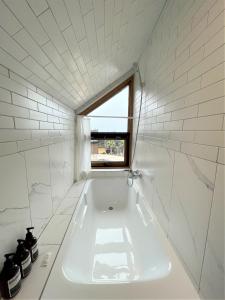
(36, 158)
(180, 145)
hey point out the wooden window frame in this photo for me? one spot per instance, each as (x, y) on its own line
(126, 136)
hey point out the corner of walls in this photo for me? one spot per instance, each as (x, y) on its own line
(36, 157)
(181, 138)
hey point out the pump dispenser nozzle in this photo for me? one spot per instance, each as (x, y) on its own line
(31, 244)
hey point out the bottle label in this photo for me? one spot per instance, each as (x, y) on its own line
(34, 251)
(14, 284)
(26, 265)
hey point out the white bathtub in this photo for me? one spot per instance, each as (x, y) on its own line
(114, 241)
(114, 249)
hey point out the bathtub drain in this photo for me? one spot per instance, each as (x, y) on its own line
(110, 208)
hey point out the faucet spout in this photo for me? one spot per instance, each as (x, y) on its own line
(134, 174)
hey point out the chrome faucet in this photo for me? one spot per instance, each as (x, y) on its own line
(134, 174)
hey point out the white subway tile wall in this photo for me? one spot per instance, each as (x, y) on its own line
(181, 138)
(36, 157)
(77, 47)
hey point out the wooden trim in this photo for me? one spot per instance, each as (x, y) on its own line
(109, 135)
(109, 95)
(127, 136)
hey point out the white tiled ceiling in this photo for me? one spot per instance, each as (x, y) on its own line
(73, 49)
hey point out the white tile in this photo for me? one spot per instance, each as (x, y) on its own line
(215, 10)
(39, 185)
(161, 180)
(7, 20)
(48, 22)
(206, 64)
(204, 123)
(12, 47)
(5, 95)
(52, 53)
(70, 38)
(216, 42)
(207, 34)
(51, 236)
(44, 109)
(26, 124)
(213, 107)
(34, 67)
(57, 173)
(67, 206)
(13, 221)
(46, 125)
(60, 13)
(91, 33)
(25, 15)
(221, 156)
(186, 113)
(8, 135)
(54, 72)
(76, 190)
(70, 63)
(99, 12)
(36, 97)
(109, 7)
(6, 122)
(13, 64)
(189, 63)
(213, 75)
(214, 138)
(4, 71)
(74, 11)
(38, 6)
(39, 273)
(203, 151)
(28, 144)
(189, 197)
(26, 41)
(22, 81)
(212, 280)
(13, 185)
(13, 110)
(86, 6)
(213, 91)
(8, 148)
(24, 102)
(173, 125)
(35, 115)
(81, 65)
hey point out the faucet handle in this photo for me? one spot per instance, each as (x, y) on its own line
(137, 173)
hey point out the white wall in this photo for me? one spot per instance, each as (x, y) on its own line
(181, 139)
(36, 157)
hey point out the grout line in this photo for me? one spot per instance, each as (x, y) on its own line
(61, 243)
(208, 226)
(28, 193)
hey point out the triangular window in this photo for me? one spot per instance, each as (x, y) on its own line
(111, 127)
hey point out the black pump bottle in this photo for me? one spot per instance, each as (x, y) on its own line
(31, 244)
(23, 259)
(10, 278)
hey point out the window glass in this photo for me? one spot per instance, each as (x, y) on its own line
(117, 106)
(107, 150)
(108, 125)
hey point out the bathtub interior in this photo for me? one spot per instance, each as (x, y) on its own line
(111, 246)
(107, 193)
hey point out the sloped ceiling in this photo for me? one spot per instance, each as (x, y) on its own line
(73, 49)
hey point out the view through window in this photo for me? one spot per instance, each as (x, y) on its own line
(110, 117)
